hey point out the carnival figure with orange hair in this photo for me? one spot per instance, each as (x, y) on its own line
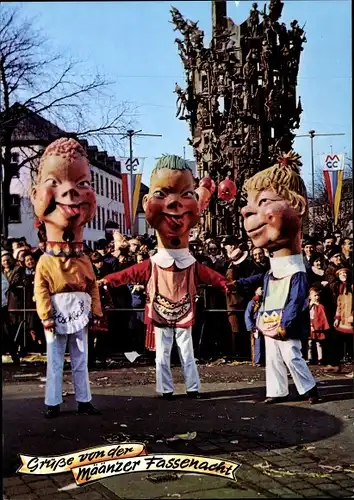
(65, 290)
(276, 205)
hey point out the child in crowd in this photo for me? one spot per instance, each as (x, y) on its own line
(319, 326)
(257, 340)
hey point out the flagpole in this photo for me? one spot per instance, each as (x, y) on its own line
(130, 134)
(312, 134)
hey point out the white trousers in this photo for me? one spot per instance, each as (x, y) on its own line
(56, 344)
(164, 343)
(279, 355)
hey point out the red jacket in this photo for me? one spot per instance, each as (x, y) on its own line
(319, 322)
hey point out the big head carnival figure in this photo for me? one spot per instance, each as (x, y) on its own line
(66, 291)
(276, 204)
(171, 276)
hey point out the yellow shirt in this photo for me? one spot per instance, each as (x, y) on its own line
(64, 274)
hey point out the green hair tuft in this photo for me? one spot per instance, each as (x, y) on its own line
(171, 162)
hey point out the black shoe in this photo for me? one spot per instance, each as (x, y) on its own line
(168, 395)
(272, 401)
(16, 359)
(312, 395)
(87, 409)
(194, 395)
(52, 411)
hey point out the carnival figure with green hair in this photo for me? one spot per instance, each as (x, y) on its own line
(171, 276)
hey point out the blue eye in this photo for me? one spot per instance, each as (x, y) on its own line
(189, 194)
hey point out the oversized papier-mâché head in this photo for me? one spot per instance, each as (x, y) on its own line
(276, 204)
(62, 196)
(173, 205)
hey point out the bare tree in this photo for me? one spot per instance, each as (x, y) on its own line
(33, 79)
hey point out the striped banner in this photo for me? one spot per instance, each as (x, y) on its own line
(126, 191)
(126, 200)
(333, 166)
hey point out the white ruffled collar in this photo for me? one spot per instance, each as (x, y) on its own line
(240, 259)
(281, 267)
(166, 257)
(319, 272)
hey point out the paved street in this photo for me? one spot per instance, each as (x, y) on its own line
(288, 450)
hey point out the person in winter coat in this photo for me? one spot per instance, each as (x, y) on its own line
(257, 339)
(316, 272)
(319, 326)
(333, 342)
(343, 322)
(238, 267)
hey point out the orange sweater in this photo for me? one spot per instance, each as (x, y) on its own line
(64, 274)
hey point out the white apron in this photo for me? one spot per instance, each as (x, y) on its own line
(71, 311)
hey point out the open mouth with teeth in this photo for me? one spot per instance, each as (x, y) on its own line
(256, 229)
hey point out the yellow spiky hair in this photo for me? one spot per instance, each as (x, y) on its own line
(283, 178)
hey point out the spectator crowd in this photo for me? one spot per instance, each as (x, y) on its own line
(225, 323)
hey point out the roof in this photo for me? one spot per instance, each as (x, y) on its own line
(32, 128)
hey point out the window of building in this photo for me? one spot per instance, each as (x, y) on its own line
(119, 193)
(103, 218)
(15, 208)
(94, 222)
(93, 180)
(107, 190)
(112, 190)
(89, 224)
(120, 222)
(115, 191)
(102, 191)
(15, 157)
(97, 187)
(108, 214)
(99, 218)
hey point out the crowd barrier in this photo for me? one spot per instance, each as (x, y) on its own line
(25, 311)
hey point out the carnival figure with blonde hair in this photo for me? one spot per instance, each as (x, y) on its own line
(171, 276)
(65, 289)
(276, 205)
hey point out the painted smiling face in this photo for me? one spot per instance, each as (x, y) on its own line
(63, 197)
(272, 222)
(276, 204)
(171, 207)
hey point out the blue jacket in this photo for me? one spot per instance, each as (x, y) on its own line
(4, 289)
(296, 315)
(250, 316)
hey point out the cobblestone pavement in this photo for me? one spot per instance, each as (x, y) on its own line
(285, 451)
